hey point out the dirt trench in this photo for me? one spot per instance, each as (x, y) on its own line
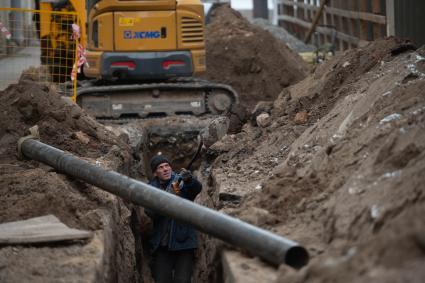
(30, 189)
(118, 251)
(178, 139)
(338, 168)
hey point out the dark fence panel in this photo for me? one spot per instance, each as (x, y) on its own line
(410, 20)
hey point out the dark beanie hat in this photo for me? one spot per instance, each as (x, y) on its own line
(158, 160)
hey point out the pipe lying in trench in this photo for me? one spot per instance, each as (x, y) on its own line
(259, 242)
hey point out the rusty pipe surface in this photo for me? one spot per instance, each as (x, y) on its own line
(268, 246)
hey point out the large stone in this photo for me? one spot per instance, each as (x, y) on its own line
(215, 131)
(82, 137)
(301, 117)
(263, 120)
(262, 107)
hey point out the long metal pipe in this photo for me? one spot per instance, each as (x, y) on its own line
(259, 242)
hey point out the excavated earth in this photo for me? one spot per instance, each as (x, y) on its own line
(248, 58)
(339, 169)
(29, 189)
(336, 164)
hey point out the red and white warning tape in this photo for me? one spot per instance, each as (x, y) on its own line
(75, 32)
(81, 53)
(5, 31)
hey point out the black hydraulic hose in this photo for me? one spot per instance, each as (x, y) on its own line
(259, 242)
(198, 151)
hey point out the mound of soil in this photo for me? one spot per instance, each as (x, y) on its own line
(30, 189)
(61, 123)
(347, 181)
(250, 59)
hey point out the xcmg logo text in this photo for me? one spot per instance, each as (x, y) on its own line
(128, 34)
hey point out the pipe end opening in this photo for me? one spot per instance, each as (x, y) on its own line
(297, 257)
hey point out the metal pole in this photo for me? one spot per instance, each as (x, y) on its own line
(315, 21)
(259, 242)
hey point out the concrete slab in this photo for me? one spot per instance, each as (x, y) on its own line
(42, 229)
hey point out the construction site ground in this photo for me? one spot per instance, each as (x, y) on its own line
(332, 158)
(14, 65)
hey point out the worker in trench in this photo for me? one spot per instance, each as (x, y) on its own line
(172, 243)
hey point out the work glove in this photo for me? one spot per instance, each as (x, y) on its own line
(186, 175)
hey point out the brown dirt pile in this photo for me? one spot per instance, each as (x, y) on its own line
(62, 124)
(348, 182)
(248, 58)
(29, 189)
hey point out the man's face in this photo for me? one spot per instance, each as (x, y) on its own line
(163, 172)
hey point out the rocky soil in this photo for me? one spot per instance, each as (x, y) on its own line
(333, 160)
(29, 189)
(339, 167)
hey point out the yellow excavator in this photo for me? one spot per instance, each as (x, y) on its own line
(141, 58)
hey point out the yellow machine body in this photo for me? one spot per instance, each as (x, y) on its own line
(145, 39)
(134, 49)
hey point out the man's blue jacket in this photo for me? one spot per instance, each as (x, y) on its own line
(181, 236)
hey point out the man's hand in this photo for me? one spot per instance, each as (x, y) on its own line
(176, 187)
(186, 175)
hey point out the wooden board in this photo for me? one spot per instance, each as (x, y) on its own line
(42, 229)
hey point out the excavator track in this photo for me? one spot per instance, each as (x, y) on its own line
(183, 96)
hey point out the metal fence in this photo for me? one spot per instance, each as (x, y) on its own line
(343, 23)
(40, 46)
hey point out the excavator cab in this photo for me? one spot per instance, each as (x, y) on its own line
(144, 40)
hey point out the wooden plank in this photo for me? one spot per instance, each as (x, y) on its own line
(362, 6)
(390, 17)
(336, 22)
(333, 22)
(324, 30)
(346, 24)
(344, 21)
(315, 21)
(354, 23)
(295, 21)
(377, 31)
(363, 24)
(357, 15)
(376, 7)
(306, 13)
(39, 230)
(366, 16)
